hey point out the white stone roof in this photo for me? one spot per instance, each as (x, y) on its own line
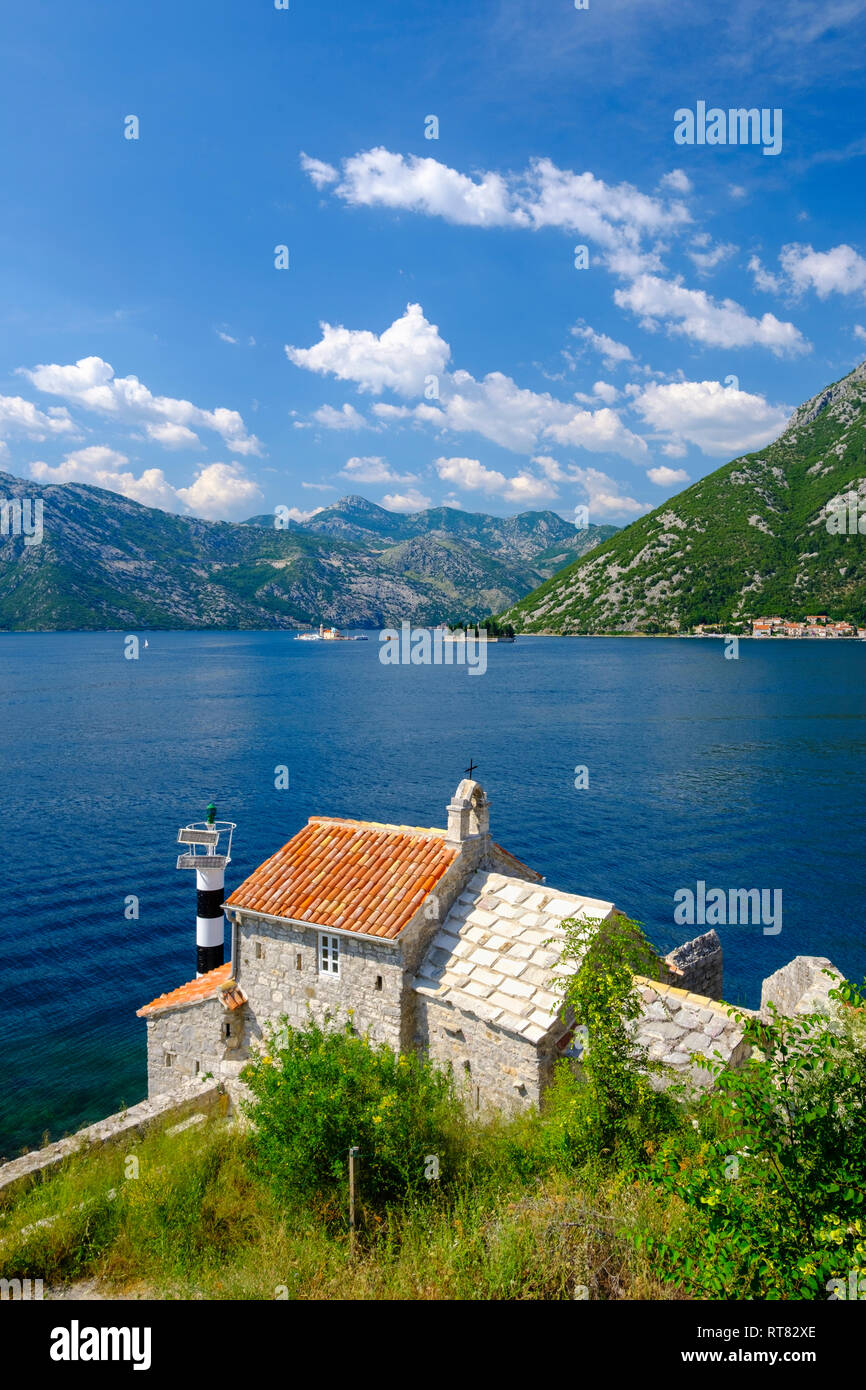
(490, 957)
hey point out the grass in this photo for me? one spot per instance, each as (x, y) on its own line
(198, 1222)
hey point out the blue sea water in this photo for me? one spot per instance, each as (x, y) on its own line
(743, 774)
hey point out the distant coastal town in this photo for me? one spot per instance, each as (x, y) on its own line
(814, 625)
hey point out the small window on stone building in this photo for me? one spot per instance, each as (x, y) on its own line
(169, 1059)
(298, 962)
(227, 1030)
(378, 981)
(260, 950)
(197, 1068)
(329, 954)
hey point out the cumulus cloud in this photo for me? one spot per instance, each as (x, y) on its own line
(764, 279)
(617, 217)
(91, 383)
(706, 255)
(172, 436)
(677, 180)
(606, 501)
(860, 332)
(405, 355)
(706, 320)
(472, 476)
(411, 501)
(220, 490)
(666, 477)
(22, 419)
(838, 271)
(374, 469)
(321, 173)
(841, 270)
(612, 352)
(346, 418)
(720, 420)
(400, 359)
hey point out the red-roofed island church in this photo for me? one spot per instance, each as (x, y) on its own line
(437, 939)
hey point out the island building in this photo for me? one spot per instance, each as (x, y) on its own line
(436, 938)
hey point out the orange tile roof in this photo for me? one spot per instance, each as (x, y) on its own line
(205, 987)
(359, 876)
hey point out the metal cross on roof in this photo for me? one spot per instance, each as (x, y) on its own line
(471, 768)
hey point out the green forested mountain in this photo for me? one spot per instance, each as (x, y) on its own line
(107, 562)
(749, 540)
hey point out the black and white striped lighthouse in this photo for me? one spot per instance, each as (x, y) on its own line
(204, 855)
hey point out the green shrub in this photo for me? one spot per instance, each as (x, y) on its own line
(774, 1179)
(613, 1116)
(317, 1091)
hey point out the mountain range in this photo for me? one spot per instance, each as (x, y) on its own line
(106, 562)
(749, 540)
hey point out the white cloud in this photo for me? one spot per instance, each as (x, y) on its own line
(411, 501)
(374, 469)
(666, 477)
(838, 271)
(472, 476)
(603, 495)
(605, 392)
(616, 217)
(226, 337)
(706, 255)
(321, 173)
(22, 418)
(405, 354)
(764, 279)
(103, 467)
(91, 383)
(378, 177)
(171, 436)
(346, 418)
(400, 359)
(677, 181)
(700, 317)
(611, 351)
(721, 420)
(860, 332)
(300, 516)
(220, 490)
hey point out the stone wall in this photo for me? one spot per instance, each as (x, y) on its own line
(697, 965)
(200, 1097)
(493, 1069)
(800, 987)
(278, 971)
(187, 1042)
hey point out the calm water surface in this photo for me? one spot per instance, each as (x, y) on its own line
(744, 774)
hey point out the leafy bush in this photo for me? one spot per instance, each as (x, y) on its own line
(774, 1179)
(616, 1116)
(317, 1091)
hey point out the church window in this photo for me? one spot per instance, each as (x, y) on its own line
(329, 954)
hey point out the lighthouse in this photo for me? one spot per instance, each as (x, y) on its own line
(208, 848)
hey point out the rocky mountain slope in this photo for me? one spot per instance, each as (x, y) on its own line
(107, 562)
(749, 540)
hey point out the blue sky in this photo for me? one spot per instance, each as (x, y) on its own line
(432, 340)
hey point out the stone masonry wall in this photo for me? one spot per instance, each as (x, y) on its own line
(278, 971)
(697, 965)
(192, 1036)
(504, 1071)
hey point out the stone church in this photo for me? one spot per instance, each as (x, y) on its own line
(437, 939)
